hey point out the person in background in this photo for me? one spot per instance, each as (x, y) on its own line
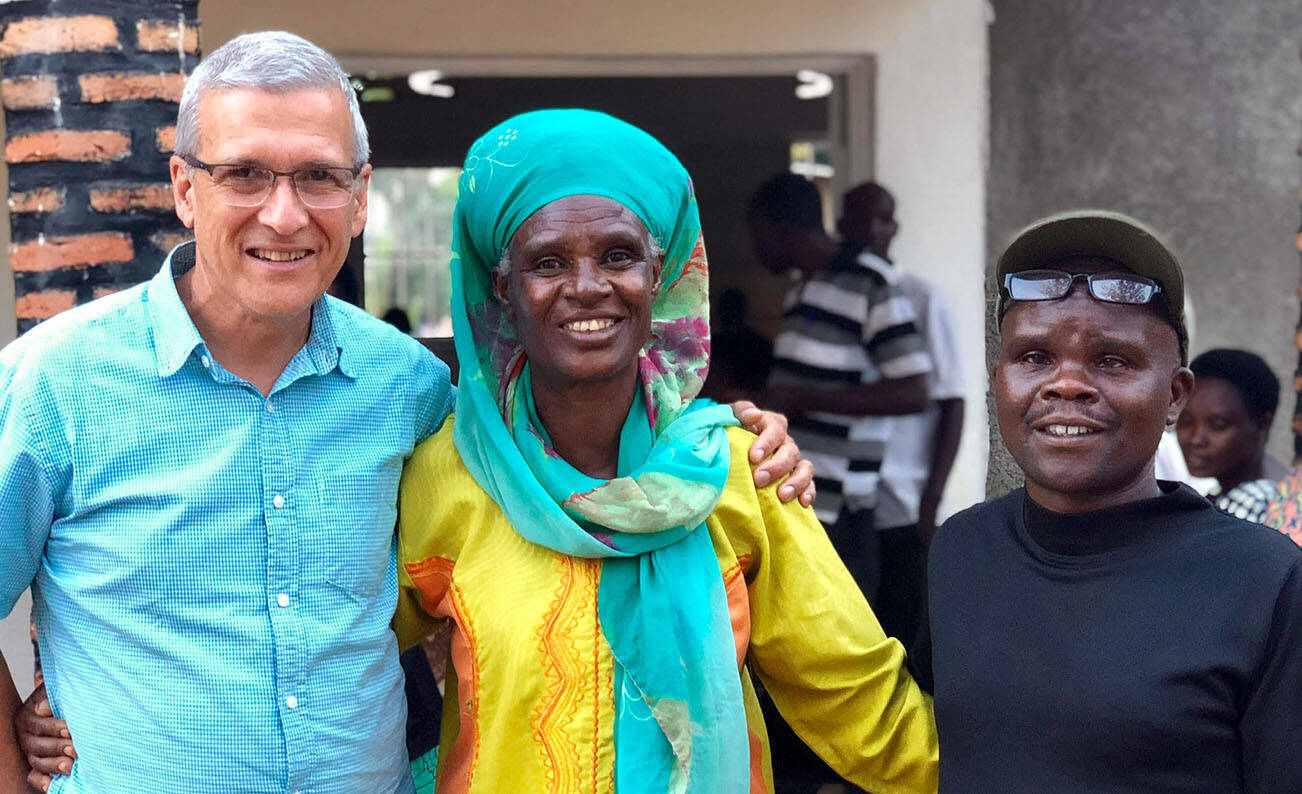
(398, 318)
(921, 447)
(740, 356)
(1098, 630)
(1224, 428)
(848, 355)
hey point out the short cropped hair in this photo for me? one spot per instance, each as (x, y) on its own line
(274, 61)
(1246, 372)
(863, 198)
(787, 199)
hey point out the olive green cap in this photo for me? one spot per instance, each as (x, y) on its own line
(1101, 233)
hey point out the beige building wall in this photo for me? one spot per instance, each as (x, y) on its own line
(930, 113)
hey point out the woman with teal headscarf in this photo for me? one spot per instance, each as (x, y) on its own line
(590, 530)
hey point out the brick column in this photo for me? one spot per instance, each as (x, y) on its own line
(89, 92)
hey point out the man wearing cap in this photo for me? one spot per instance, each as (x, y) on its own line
(1099, 630)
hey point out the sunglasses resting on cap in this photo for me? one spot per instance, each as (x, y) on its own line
(1047, 285)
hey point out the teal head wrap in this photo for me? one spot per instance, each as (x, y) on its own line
(680, 724)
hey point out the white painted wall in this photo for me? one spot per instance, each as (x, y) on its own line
(16, 643)
(931, 111)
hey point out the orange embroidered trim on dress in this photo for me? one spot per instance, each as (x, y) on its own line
(469, 700)
(740, 566)
(432, 577)
(560, 754)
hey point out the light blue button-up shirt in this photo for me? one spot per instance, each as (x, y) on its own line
(213, 571)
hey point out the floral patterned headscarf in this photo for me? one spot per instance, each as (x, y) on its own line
(681, 724)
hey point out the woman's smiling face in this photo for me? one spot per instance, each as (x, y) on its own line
(584, 273)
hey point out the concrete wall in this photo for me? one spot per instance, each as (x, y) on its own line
(1184, 113)
(930, 111)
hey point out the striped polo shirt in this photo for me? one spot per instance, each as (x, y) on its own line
(849, 324)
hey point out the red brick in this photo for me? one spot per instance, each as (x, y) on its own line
(166, 241)
(82, 250)
(122, 198)
(81, 146)
(156, 35)
(43, 305)
(102, 292)
(165, 138)
(30, 93)
(119, 87)
(58, 34)
(41, 199)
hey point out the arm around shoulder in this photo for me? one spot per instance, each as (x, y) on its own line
(430, 478)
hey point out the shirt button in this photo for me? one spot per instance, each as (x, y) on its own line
(292, 702)
(271, 409)
(278, 501)
(283, 599)
(207, 362)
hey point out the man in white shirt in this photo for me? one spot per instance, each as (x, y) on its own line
(921, 447)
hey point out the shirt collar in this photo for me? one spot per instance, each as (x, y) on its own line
(326, 343)
(176, 337)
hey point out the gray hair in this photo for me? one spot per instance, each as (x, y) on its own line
(274, 61)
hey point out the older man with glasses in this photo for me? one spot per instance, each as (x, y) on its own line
(199, 475)
(1099, 630)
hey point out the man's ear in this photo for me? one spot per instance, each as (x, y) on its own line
(1182, 384)
(182, 190)
(360, 201)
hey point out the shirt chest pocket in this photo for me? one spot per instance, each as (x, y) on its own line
(350, 535)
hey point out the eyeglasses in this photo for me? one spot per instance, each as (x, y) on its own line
(1047, 285)
(244, 185)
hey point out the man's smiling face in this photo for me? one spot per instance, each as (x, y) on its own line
(272, 261)
(1083, 390)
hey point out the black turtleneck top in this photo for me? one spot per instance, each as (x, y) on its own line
(1150, 647)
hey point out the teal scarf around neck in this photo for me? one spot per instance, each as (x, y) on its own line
(680, 721)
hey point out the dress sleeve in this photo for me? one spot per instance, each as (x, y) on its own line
(839, 681)
(1272, 724)
(423, 576)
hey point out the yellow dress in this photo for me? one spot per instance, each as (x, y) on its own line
(529, 700)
